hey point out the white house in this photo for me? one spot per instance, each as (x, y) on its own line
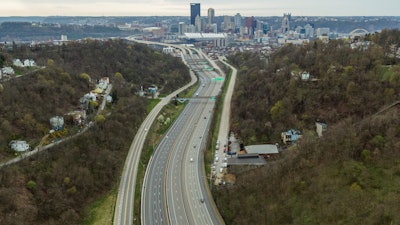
(57, 122)
(90, 96)
(19, 146)
(17, 62)
(109, 99)
(305, 76)
(29, 62)
(8, 70)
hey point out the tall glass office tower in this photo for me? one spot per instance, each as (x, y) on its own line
(194, 11)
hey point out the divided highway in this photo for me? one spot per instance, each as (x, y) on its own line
(175, 188)
(124, 206)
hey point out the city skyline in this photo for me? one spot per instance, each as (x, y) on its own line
(182, 8)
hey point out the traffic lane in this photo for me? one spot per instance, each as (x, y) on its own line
(195, 195)
(176, 198)
(176, 202)
(154, 191)
(194, 178)
(157, 185)
(126, 204)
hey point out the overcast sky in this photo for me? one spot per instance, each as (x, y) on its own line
(182, 7)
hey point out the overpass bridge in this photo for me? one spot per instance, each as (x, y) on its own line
(182, 100)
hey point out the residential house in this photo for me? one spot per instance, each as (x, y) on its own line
(19, 146)
(26, 63)
(17, 62)
(109, 99)
(305, 76)
(84, 101)
(7, 71)
(152, 89)
(57, 122)
(320, 128)
(29, 63)
(90, 96)
(103, 83)
(78, 116)
(290, 136)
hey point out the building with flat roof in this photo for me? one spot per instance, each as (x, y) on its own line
(211, 16)
(246, 159)
(218, 39)
(267, 149)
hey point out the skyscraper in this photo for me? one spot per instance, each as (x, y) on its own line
(250, 24)
(211, 15)
(194, 11)
(238, 22)
(286, 22)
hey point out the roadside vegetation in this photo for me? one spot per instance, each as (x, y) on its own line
(348, 176)
(216, 120)
(68, 183)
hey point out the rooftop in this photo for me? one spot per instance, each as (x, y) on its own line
(205, 35)
(262, 149)
(257, 161)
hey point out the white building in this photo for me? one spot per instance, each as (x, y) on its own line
(29, 62)
(8, 70)
(19, 146)
(57, 122)
(17, 62)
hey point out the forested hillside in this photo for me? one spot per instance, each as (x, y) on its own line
(42, 31)
(351, 174)
(55, 186)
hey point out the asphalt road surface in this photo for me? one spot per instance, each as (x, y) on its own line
(124, 207)
(175, 190)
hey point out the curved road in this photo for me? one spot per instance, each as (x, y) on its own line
(175, 190)
(124, 207)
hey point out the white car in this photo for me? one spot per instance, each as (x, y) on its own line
(191, 159)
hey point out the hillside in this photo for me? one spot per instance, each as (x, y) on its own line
(54, 187)
(348, 176)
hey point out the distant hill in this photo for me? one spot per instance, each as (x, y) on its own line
(348, 176)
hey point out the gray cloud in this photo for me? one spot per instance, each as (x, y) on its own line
(181, 7)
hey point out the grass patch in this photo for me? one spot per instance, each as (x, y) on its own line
(153, 103)
(101, 212)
